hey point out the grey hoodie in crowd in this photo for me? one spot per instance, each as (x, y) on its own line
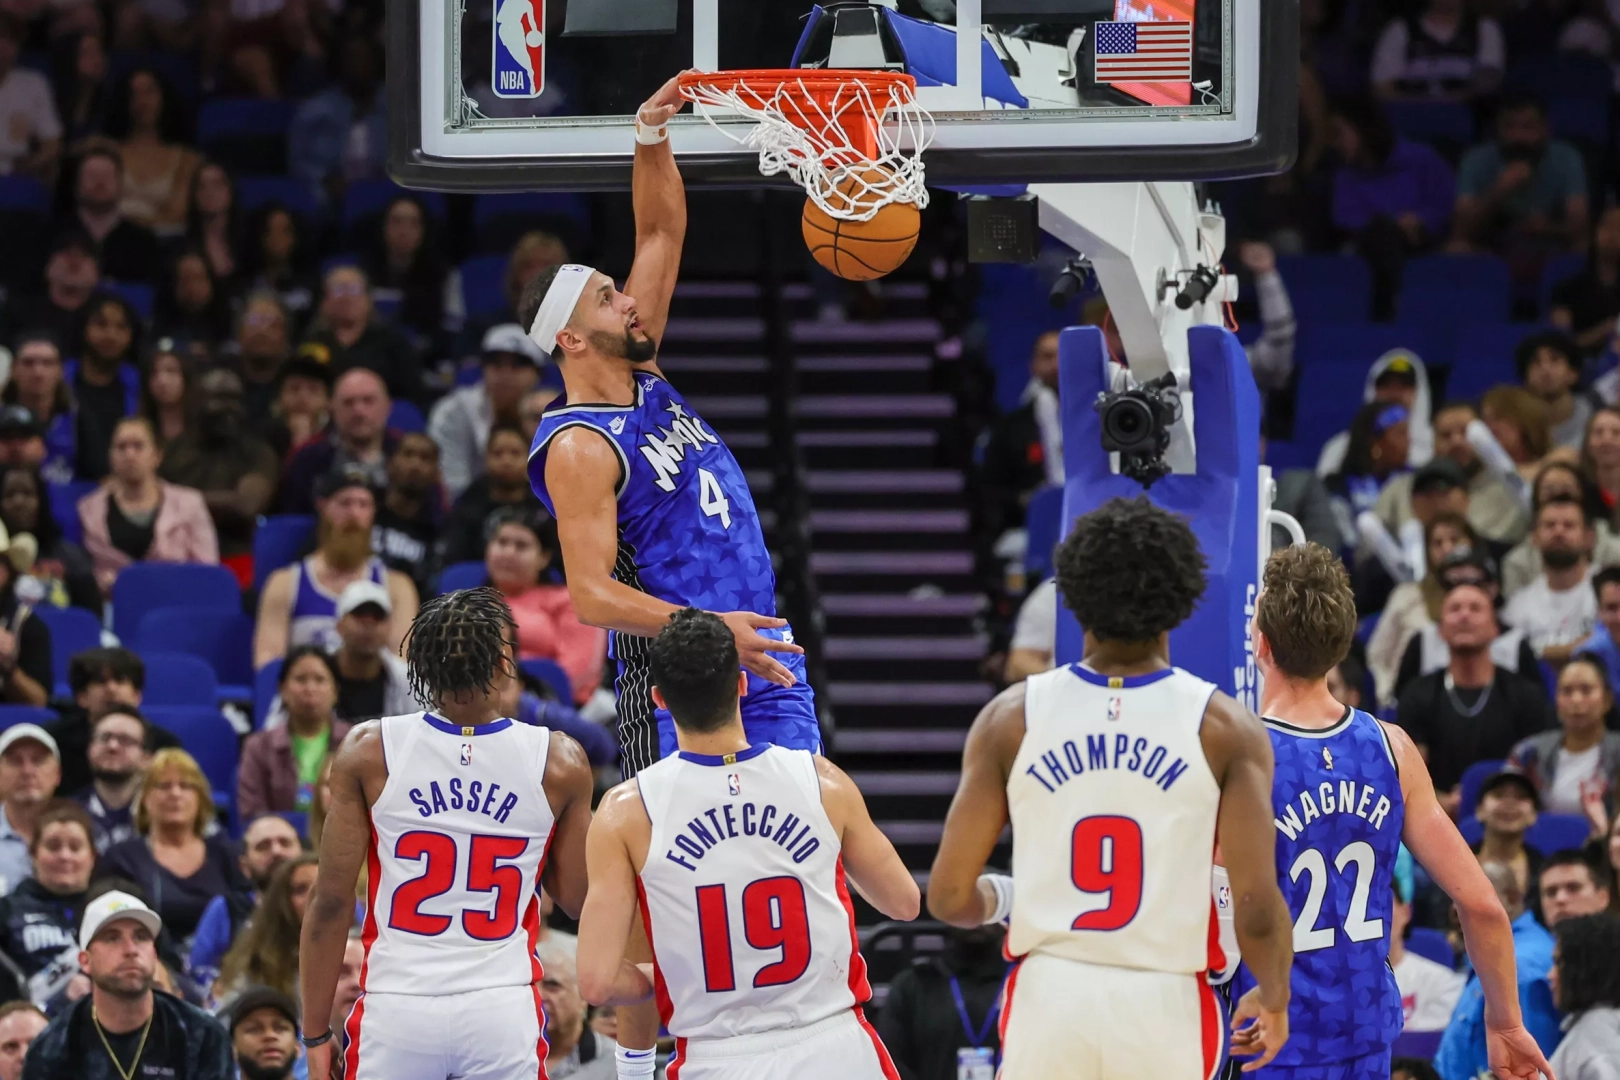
(1420, 425)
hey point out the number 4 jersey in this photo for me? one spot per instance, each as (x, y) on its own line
(1339, 814)
(459, 836)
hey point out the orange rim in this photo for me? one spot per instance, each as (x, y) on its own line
(814, 80)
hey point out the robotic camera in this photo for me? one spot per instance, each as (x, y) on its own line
(1077, 275)
(1136, 424)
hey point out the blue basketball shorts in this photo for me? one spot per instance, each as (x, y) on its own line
(780, 715)
(1366, 1067)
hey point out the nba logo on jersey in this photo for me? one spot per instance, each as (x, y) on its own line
(1327, 758)
(519, 52)
(1114, 706)
(466, 753)
(733, 784)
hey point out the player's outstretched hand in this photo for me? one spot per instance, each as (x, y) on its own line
(657, 110)
(1514, 1054)
(754, 649)
(1256, 1030)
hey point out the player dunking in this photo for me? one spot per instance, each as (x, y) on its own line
(459, 816)
(1349, 790)
(1119, 773)
(738, 854)
(653, 512)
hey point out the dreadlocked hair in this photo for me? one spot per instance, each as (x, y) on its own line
(458, 643)
(1588, 962)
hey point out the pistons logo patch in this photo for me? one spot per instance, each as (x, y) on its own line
(519, 52)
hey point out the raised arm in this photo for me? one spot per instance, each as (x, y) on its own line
(977, 815)
(1488, 933)
(605, 976)
(274, 623)
(873, 865)
(659, 199)
(568, 788)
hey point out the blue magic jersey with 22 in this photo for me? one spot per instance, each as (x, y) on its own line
(1339, 814)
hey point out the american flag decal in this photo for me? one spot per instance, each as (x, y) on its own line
(1135, 52)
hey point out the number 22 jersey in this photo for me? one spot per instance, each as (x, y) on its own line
(1339, 814)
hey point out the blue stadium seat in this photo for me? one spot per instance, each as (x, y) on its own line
(560, 204)
(1582, 120)
(1472, 777)
(1559, 75)
(1448, 123)
(64, 501)
(483, 285)
(1327, 288)
(177, 678)
(73, 630)
(266, 687)
(252, 192)
(207, 736)
(18, 192)
(1483, 356)
(1470, 828)
(175, 68)
(1483, 277)
(148, 586)
(366, 198)
(1558, 832)
(552, 674)
(462, 575)
(1431, 945)
(1559, 269)
(223, 639)
(224, 118)
(26, 714)
(139, 296)
(298, 819)
(1043, 521)
(1422, 1045)
(278, 541)
(406, 417)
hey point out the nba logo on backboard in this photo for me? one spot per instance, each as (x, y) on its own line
(1114, 706)
(520, 41)
(734, 783)
(466, 753)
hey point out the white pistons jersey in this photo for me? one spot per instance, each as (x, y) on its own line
(743, 895)
(1113, 811)
(458, 841)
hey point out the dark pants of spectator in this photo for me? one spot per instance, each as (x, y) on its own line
(1385, 247)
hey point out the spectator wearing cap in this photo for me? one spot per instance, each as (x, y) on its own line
(72, 275)
(1557, 610)
(407, 533)
(137, 517)
(126, 250)
(1522, 192)
(123, 1027)
(1575, 767)
(352, 334)
(1604, 642)
(299, 603)
(504, 483)
(372, 680)
(178, 857)
(20, 1024)
(1414, 605)
(40, 407)
(302, 408)
(1507, 806)
(1398, 377)
(264, 1034)
(120, 753)
(263, 344)
(1473, 709)
(1560, 480)
(39, 919)
(30, 770)
(522, 545)
(1495, 511)
(358, 438)
(22, 439)
(31, 139)
(281, 766)
(1549, 366)
(234, 469)
(461, 422)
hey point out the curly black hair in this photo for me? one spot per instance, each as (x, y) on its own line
(694, 666)
(1588, 962)
(1130, 571)
(457, 645)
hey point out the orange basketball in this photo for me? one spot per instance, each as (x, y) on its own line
(861, 250)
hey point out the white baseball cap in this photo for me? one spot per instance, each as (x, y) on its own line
(510, 338)
(361, 593)
(110, 907)
(18, 732)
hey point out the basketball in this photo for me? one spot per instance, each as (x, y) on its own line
(861, 250)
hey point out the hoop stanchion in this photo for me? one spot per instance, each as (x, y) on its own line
(852, 139)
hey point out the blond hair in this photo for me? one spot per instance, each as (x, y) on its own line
(1307, 610)
(173, 760)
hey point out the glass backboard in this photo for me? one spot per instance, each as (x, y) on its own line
(490, 95)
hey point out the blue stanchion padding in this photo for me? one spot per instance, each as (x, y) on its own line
(1220, 501)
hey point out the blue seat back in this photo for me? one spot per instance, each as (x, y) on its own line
(138, 295)
(1559, 269)
(483, 285)
(1483, 356)
(1558, 832)
(223, 118)
(177, 678)
(1431, 945)
(552, 674)
(73, 630)
(207, 736)
(221, 639)
(252, 192)
(1472, 778)
(405, 417)
(365, 198)
(64, 501)
(1449, 123)
(1327, 288)
(11, 715)
(462, 575)
(18, 192)
(147, 586)
(277, 543)
(266, 685)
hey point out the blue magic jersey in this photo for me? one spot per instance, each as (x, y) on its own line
(1339, 814)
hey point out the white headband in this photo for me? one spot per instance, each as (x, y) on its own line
(558, 305)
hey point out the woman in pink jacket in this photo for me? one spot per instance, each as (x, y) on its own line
(135, 517)
(522, 543)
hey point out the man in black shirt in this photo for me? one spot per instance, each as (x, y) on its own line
(128, 252)
(98, 678)
(1472, 710)
(372, 680)
(939, 1021)
(235, 470)
(124, 1030)
(406, 535)
(71, 278)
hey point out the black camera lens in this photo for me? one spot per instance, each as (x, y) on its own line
(1128, 422)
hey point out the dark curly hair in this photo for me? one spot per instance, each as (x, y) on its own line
(457, 645)
(1130, 571)
(1588, 962)
(694, 666)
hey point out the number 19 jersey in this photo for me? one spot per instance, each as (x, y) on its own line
(458, 842)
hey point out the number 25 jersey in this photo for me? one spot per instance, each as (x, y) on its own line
(744, 897)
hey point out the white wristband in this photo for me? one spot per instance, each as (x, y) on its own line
(1002, 885)
(650, 136)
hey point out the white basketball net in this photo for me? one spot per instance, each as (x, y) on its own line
(798, 133)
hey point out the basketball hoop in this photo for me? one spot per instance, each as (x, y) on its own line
(852, 139)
